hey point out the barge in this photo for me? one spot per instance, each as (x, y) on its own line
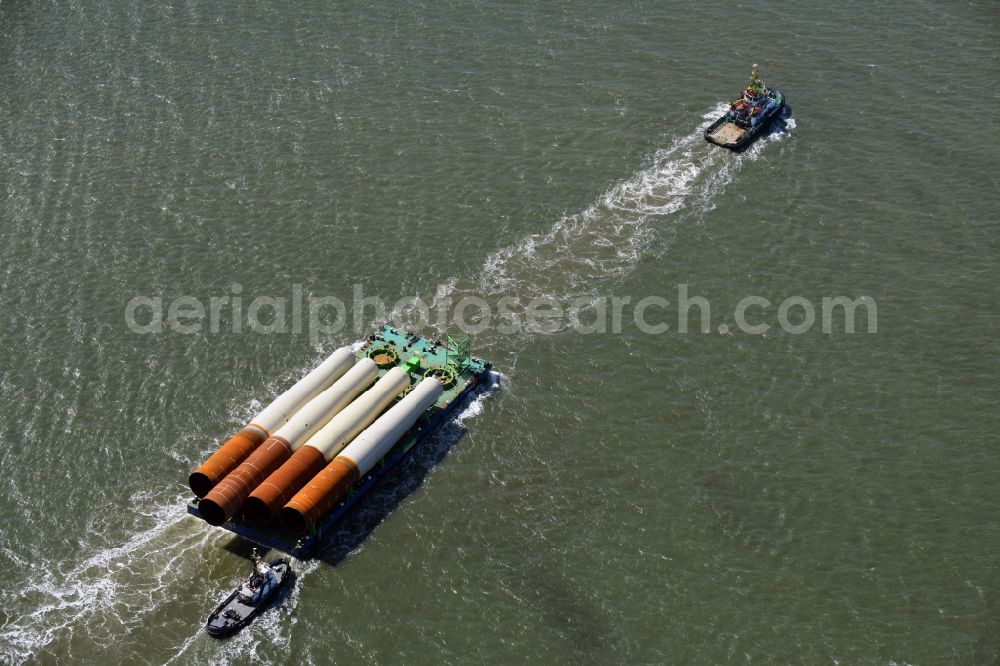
(332, 439)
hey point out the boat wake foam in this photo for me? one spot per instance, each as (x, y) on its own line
(636, 217)
(113, 590)
(474, 407)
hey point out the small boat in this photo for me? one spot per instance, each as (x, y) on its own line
(748, 116)
(250, 598)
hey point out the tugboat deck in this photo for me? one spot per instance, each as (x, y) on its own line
(729, 133)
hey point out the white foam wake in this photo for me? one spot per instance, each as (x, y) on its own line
(474, 407)
(130, 577)
(112, 589)
(636, 216)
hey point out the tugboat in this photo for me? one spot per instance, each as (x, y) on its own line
(748, 115)
(252, 597)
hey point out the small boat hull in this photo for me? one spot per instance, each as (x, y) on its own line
(724, 132)
(232, 614)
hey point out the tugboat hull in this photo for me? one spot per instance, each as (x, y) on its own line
(232, 614)
(734, 136)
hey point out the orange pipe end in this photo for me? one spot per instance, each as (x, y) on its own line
(319, 495)
(225, 460)
(226, 498)
(263, 503)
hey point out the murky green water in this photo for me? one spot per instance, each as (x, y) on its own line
(623, 497)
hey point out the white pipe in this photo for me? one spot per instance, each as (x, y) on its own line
(285, 405)
(345, 426)
(314, 415)
(369, 447)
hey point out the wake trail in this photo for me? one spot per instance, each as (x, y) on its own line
(112, 591)
(584, 251)
(108, 590)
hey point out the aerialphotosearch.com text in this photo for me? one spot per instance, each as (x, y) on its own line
(320, 316)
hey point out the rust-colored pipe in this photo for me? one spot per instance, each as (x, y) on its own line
(226, 459)
(225, 499)
(264, 502)
(319, 495)
(262, 505)
(269, 420)
(357, 458)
